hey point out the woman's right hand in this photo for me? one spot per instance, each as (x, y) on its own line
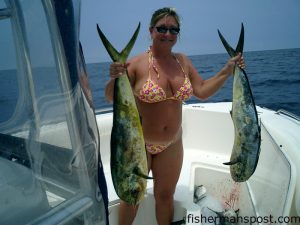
(117, 69)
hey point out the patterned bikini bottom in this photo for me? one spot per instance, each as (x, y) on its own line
(157, 148)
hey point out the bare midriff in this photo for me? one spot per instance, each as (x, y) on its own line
(162, 123)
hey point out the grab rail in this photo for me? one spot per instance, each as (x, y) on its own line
(65, 212)
(104, 110)
(287, 113)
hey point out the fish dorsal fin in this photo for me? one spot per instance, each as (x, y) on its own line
(113, 53)
(220, 214)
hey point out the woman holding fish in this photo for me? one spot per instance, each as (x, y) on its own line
(161, 80)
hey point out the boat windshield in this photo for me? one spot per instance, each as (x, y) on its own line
(49, 142)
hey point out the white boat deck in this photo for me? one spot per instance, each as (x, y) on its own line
(208, 136)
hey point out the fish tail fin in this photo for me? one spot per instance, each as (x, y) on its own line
(125, 52)
(113, 53)
(218, 213)
(240, 44)
(139, 173)
(211, 209)
(228, 48)
(239, 47)
(232, 162)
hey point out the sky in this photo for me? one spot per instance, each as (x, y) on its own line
(269, 24)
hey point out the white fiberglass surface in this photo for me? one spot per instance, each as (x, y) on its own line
(268, 192)
(270, 185)
(221, 191)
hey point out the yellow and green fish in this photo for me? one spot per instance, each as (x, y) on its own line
(128, 154)
(247, 140)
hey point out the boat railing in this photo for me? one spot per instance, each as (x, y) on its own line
(103, 110)
(289, 114)
(66, 211)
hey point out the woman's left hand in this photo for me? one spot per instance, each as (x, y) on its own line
(237, 60)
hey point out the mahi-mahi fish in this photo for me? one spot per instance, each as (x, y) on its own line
(247, 140)
(128, 160)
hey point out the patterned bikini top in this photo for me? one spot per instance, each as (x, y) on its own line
(151, 92)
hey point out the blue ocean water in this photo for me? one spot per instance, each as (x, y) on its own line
(274, 77)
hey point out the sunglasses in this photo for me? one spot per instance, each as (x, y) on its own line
(164, 30)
